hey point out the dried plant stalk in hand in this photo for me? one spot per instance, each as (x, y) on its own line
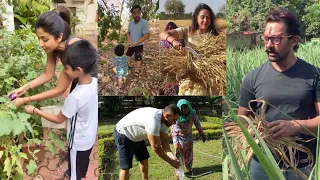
(283, 148)
(207, 73)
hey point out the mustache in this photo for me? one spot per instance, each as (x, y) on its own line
(270, 50)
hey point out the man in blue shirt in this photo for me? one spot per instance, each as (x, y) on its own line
(138, 32)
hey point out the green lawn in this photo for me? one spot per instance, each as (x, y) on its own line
(106, 126)
(159, 169)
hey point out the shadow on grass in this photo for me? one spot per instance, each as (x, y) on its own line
(202, 171)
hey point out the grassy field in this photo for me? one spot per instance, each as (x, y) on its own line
(182, 23)
(239, 63)
(159, 169)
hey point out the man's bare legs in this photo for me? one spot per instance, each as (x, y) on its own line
(124, 174)
(144, 169)
(138, 65)
(130, 63)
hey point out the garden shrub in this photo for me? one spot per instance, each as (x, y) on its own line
(209, 126)
(107, 153)
(211, 134)
(215, 120)
(104, 134)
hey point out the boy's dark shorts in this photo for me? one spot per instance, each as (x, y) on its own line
(79, 162)
(137, 50)
(127, 149)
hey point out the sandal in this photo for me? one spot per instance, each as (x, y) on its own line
(67, 173)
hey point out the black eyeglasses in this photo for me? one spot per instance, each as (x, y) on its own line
(274, 39)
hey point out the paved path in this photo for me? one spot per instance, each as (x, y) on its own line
(46, 168)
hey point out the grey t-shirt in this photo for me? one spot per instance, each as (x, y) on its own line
(137, 31)
(293, 93)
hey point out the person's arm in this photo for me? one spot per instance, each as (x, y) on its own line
(63, 83)
(165, 145)
(60, 118)
(155, 143)
(197, 124)
(287, 128)
(129, 38)
(310, 124)
(172, 37)
(169, 35)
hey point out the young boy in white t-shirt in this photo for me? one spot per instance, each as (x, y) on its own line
(80, 107)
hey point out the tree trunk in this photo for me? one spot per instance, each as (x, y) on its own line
(121, 9)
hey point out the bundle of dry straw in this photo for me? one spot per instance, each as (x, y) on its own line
(280, 147)
(206, 75)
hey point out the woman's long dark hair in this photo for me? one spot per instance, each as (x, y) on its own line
(55, 22)
(195, 26)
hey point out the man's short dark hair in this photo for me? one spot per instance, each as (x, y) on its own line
(172, 108)
(135, 7)
(119, 50)
(80, 54)
(285, 16)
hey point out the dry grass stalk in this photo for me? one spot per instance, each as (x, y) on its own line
(208, 72)
(279, 147)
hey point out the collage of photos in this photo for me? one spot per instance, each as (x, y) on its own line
(159, 90)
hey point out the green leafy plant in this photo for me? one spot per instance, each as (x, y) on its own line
(22, 60)
(311, 18)
(27, 11)
(109, 22)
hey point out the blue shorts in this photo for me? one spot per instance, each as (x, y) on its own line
(122, 73)
(127, 149)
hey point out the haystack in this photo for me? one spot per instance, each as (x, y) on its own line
(198, 76)
(283, 148)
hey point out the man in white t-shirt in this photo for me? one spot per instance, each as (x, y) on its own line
(139, 125)
(80, 107)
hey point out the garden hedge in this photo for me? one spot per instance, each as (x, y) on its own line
(209, 126)
(215, 120)
(104, 134)
(107, 153)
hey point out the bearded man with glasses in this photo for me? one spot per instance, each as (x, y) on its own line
(291, 88)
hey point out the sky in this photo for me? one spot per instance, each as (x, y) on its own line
(191, 4)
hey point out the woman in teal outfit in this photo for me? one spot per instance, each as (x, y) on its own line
(182, 132)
